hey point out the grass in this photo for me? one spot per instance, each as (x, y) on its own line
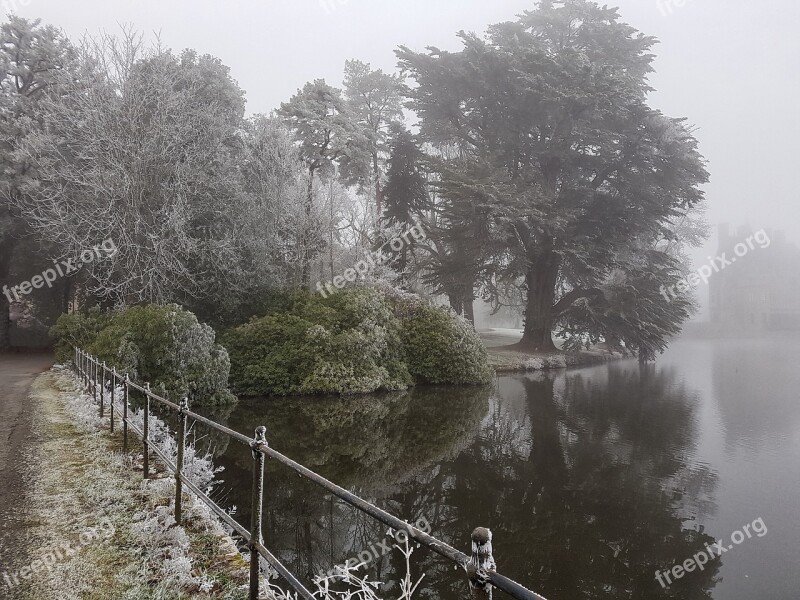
(82, 479)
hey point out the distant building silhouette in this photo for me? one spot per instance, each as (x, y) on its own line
(759, 291)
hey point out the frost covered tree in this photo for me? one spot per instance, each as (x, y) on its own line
(575, 177)
(141, 150)
(34, 58)
(272, 225)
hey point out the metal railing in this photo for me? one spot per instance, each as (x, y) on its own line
(479, 566)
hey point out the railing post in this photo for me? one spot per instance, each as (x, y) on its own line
(113, 395)
(146, 432)
(184, 407)
(480, 562)
(102, 388)
(125, 393)
(94, 378)
(257, 509)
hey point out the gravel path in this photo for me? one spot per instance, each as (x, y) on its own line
(17, 372)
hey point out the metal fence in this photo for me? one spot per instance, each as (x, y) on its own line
(102, 383)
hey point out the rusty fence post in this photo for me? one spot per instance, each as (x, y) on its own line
(125, 393)
(94, 378)
(184, 407)
(113, 395)
(257, 509)
(146, 432)
(480, 563)
(102, 388)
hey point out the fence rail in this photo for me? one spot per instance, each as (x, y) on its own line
(479, 566)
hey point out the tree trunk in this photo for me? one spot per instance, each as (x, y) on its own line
(376, 172)
(67, 304)
(6, 254)
(540, 282)
(469, 305)
(5, 323)
(456, 302)
(306, 242)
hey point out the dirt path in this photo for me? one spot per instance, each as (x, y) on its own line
(17, 372)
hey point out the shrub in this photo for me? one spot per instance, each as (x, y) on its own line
(162, 345)
(347, 343)
(355, 341)
(440, 346)
(270, 353)
(77, 329)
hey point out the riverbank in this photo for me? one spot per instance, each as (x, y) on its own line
(96, 530)
(504, 358)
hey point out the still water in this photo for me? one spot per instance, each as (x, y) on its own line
(591, 480)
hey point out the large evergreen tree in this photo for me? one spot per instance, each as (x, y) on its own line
(406, 191)
(577, 178)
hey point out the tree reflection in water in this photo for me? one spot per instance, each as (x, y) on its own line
(586, 479)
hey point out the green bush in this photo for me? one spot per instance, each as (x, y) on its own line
(347, 343)
(355, 341)
(77, 329)
(164, 346)
(440, 347)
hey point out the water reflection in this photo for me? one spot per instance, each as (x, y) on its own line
(586, 479)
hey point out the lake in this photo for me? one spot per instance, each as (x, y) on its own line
(591, 480)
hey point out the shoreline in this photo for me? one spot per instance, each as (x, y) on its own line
(503, 358)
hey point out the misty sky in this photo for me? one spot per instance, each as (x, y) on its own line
(729, 66)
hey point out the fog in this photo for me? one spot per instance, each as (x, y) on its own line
(729, 67)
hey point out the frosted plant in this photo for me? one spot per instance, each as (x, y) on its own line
(198, 468)
(346, 584)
